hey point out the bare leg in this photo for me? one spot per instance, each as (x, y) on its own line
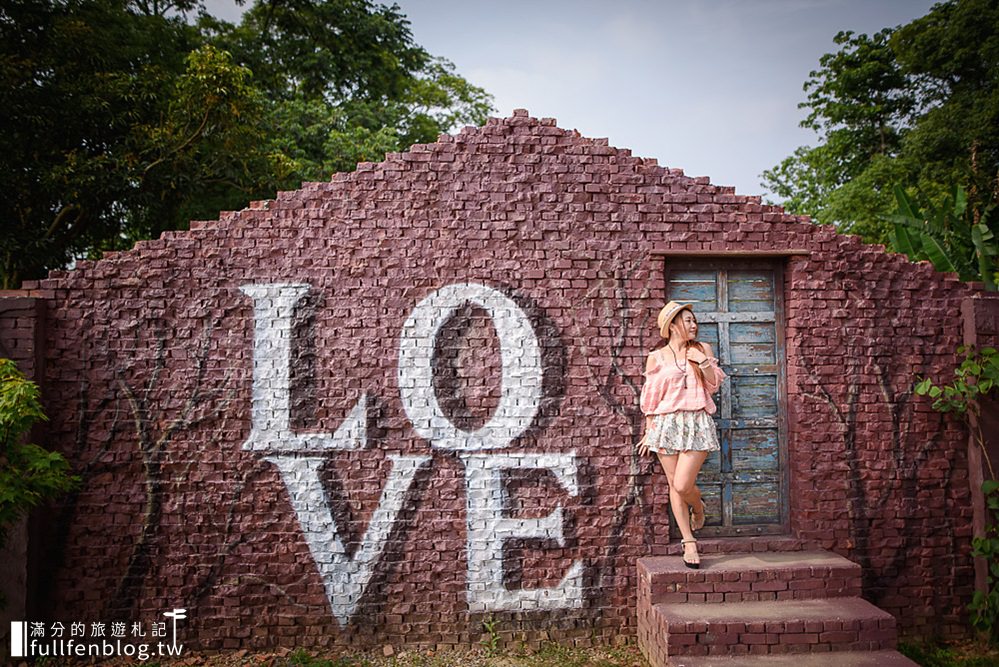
(687, 469)
(681, 473)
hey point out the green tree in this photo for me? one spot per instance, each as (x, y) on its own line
(29, 475)
(68, 104)
(916, 105)
(946, 236)
(201, 153)
(124, 118)
(952, 57)
(859, 104)
(346, 82)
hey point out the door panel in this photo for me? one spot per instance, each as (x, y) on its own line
(754, 503)
(753, 397)
(696, 287)
(707, 332)
(750, 291)
(752, 343)
(755, 449)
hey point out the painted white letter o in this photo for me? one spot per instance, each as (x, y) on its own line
(521, 375)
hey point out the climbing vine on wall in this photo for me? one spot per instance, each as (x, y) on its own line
(976, 380)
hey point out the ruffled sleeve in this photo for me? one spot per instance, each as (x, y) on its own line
(719, 374)
(652, 390)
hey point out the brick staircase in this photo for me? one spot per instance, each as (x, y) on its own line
(800, 608)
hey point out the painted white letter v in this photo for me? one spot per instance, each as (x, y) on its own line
(345, 578)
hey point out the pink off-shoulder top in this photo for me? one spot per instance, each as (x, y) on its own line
(664, 390)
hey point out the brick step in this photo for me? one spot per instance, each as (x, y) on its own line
(743, 545)
(836, 659)
(747, 577)
(754, 628)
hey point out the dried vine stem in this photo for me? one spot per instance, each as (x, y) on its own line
(862, 508)
(619, 311)
(151, 450)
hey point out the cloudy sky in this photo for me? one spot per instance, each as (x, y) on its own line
(709, 86)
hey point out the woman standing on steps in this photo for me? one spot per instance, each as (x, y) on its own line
(680, 377)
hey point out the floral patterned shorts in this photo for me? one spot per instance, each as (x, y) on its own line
(683, 431)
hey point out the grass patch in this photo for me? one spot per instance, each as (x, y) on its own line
(961, 654)
(302, 658)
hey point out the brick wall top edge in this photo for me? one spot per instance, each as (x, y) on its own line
(495, 131)
(15, 300)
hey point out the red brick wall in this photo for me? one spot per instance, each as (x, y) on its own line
(149, 383)
(877, 475)
(21, 323)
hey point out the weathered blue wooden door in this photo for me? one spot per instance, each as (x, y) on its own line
(740, 313)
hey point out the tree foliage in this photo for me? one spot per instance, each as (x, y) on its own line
(29, 475)
(123, 119)
(916, 106)
(945, 236)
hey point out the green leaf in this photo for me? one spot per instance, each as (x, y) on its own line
(985, 234)
(937, 254)
(907, 242)
(906, 204)
(984, 251)
(960, 199)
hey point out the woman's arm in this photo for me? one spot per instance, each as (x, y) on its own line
(702, 359)
(651, 394)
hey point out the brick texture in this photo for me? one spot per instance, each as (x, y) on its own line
(149, 383)
(21, 324)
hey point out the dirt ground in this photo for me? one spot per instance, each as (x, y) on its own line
(549, 656)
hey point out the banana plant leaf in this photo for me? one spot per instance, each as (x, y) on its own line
(937, 254)
(980, 235)
(907, 241)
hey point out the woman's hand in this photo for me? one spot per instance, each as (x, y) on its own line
(699, 356)
(643, 447)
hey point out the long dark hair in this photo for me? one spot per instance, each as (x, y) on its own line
(663, 342)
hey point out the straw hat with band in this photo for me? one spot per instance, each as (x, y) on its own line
(669, 311)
